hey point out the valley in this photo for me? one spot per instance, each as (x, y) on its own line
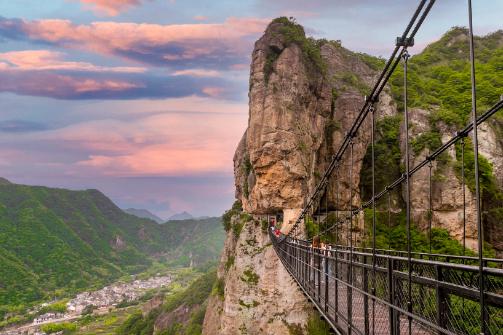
(106, 308)
(69, 257)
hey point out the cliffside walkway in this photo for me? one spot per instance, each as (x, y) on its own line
(374, 291)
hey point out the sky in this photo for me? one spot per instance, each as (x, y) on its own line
(146, 100)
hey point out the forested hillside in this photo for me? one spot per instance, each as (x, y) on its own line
(56, 241)
(439, 96)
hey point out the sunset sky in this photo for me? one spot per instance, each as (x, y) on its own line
(146, 100)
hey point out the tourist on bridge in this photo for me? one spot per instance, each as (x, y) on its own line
(315, 260)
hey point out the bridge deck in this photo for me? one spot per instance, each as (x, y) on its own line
(444, 295)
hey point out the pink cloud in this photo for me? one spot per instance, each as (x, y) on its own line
(46, 73)
(217, 44)
(197, 73)
(61, 86)
(200, 18)
(213, 91)
(92, 85)
(240, 67)
(166, 144)
(110, 7)
(191, 104)
(42, 60)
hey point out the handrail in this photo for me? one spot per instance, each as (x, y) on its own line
(439, 281)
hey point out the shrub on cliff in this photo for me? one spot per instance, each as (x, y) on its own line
(237, 208)
(293, 33)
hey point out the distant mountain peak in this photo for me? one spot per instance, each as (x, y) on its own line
(181, 216)
(144, 214)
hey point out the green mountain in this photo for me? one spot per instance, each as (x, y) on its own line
(439, 82)
(439, 76)
(144, 214)
(57, 241)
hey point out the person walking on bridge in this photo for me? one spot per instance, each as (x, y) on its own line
(315, 264)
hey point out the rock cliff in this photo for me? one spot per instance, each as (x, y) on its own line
(258, 295)
(447, 190)
(304, 95)
(439, 92)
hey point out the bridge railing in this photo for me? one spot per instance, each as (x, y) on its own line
(459, 259)
(357, 297)
(467, 260)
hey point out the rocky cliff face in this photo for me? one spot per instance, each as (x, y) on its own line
(259, 296)
(446, 186)
(440, 75)
(304, 96)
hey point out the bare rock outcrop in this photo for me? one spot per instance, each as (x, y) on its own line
(491, 146)
(446, 187)
(302, 103)
(300, 111)
(259, 296)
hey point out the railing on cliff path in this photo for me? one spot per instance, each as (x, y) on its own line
(374, 291)
(357, 297)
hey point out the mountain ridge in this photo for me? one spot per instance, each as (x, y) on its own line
(144, 214)
(54, 242)
(181, 216)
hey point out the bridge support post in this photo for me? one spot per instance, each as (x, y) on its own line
(365, 297)
(306, 264)
(441, 299)
(306, 267)
(336, 275)
(297, 261)
(318, 255)
(327, 253)
(393, 314)
(302, 254)
(349, 293)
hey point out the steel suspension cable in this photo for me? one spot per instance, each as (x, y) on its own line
(377, 89)
(480, 234)
(336, 243)
(350, 233)
(336, 207)
(430, 210)
(372, 135)
(407, 190)
(464, 192)
(459, 135)
(326, 204)
(389, 220)
(464, 201)
(375, 94)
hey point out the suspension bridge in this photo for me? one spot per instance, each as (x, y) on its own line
(366, 290)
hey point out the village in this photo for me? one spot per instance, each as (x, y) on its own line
(111, 296)
(99, 302)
